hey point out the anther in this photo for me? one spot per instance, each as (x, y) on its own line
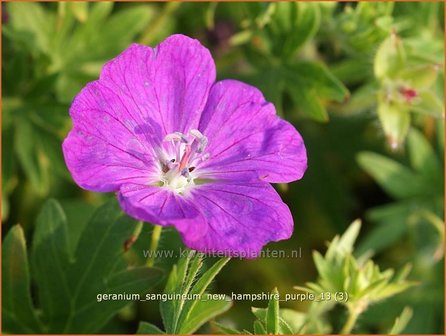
(176, 136)
(185, 172)
(203, 140)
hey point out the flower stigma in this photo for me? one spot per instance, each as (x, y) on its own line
(179, 163)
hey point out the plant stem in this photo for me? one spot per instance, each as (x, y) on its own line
(353, 315)
(156, 234)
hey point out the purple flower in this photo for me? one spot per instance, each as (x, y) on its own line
(181, 149)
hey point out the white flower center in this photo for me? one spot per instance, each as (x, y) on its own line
(179, 161)
(178, 183)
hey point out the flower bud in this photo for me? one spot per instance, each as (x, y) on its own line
(395, 120)
(421, 76)
(390, 57)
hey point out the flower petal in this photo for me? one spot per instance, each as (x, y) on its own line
(161, 206)
(247, 140)
(97, 164)
(241, 218)
(168, 84)
(121, 119)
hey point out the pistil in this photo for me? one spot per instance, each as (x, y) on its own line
(176, 172)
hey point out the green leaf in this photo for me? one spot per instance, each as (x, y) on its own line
(393, 177)
(402, 273)
(32, 159)
(401, 321)
(321, 265)
(132, 280)
(428, 103)
(361, 279)
(421, 76)
(352, 71)
(126, 23)
(290, 321)
(259, 329)
(199, 288)
(203, 311)
(390, 57)
(347, 240)
(168, 308)
(271, 82)
(317, 77)
(227, 330)
(78, 213)
(422, 155)
(210, 15)
(49, 147)
(80, 10)
(96, 269)
(194, 267)
(291, 25)
(113, 34)
(32, 25)
(440, 137)
(387, 230)
(308, 103)
(9, 169)
(308, 83)
(178, 283)
(49, 261)
(72, 287)
(99, 12)
(18, 311)
(272, 315)
(395, 120)
(148, 328)
(392, 289)
(186, 316)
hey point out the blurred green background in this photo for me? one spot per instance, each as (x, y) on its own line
(362, 82)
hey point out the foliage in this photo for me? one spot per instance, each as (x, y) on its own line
(343, 279)
(417, 189)
(69, 274)
(275, 33)
(405, 86)
(186, 315)
(356, 283)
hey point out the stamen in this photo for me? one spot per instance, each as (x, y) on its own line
(175, 136)
(185, 172)
(202, 145)
(201, 138)
(187, 151)
(196, 133)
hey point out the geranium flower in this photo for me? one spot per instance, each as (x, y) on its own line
(181, 149)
